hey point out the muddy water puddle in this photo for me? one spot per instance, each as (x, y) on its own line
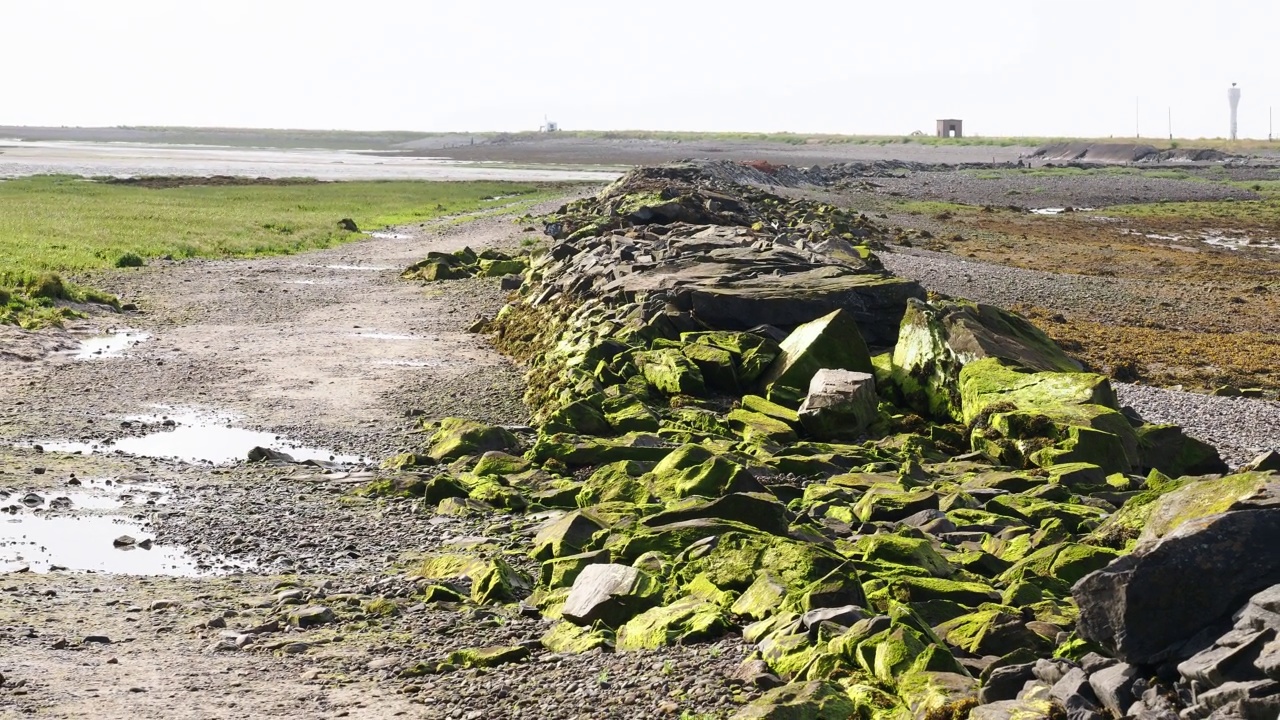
(199, 437)
(112, 344)
(99, 527)
(415, 363)
(387, 336)
(370, 268)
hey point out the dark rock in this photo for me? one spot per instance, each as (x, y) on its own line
(1143, 606)
(261, 454)
(1004, 683)
(124, 541)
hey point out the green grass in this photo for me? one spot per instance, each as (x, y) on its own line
(1228, 212)
(52, 225)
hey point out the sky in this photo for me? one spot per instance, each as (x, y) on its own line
(1082, 68)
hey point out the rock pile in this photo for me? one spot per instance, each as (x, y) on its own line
(913, 507)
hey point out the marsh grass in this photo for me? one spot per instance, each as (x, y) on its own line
(54, 225)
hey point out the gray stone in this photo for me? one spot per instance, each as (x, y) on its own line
(311, 616)
(1268, 661)
(1076, 696)
(1050, 672)
(1262, 612)
(610, 593)
(841, 404)
(1093, 662)
(1113, 686)
(1236, 692)
(1267, 461)
(845, 615)
(1231, 660)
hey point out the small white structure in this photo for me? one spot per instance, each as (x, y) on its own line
(1233, 97)
(549, 126)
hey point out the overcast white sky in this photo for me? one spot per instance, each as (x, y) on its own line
(1007, 67)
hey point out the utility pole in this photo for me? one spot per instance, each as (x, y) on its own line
(1171, 123)
(1137, 119)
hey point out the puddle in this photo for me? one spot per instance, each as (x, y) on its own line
(300, 282)
(100, 494)
(86, 543)
(1234, 240)
(413, 363)
(112, 345)
(386, 336)
(359, 267)
(383, 235)
(200, 437)
(1059, 211)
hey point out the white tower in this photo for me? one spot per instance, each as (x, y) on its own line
(1233, 97)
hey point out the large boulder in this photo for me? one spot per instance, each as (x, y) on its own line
(832, 341)
(1045, 418)
(841, 404)
(1193, 569)
(937, 339)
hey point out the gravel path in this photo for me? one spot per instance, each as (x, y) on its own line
(1241, 428)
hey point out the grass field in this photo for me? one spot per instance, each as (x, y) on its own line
(53, 225)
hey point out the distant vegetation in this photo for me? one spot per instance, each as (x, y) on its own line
(393, 139)
(60, 224)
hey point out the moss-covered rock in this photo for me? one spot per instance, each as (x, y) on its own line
(757, 427)
(619, 481)
(1168, 449)
(562, 571)
(1047, 418)
(452, 438)
(1200, 499)
(565, 637)
(992, 630)
(915, 552)
(568, 535)
(832, 341)
(670, 372)
(816, 700)
(686, 620)
(487, 657)
(627, 413)
(758, 510)
(937, 339)
(695, 470)
(579, 451)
